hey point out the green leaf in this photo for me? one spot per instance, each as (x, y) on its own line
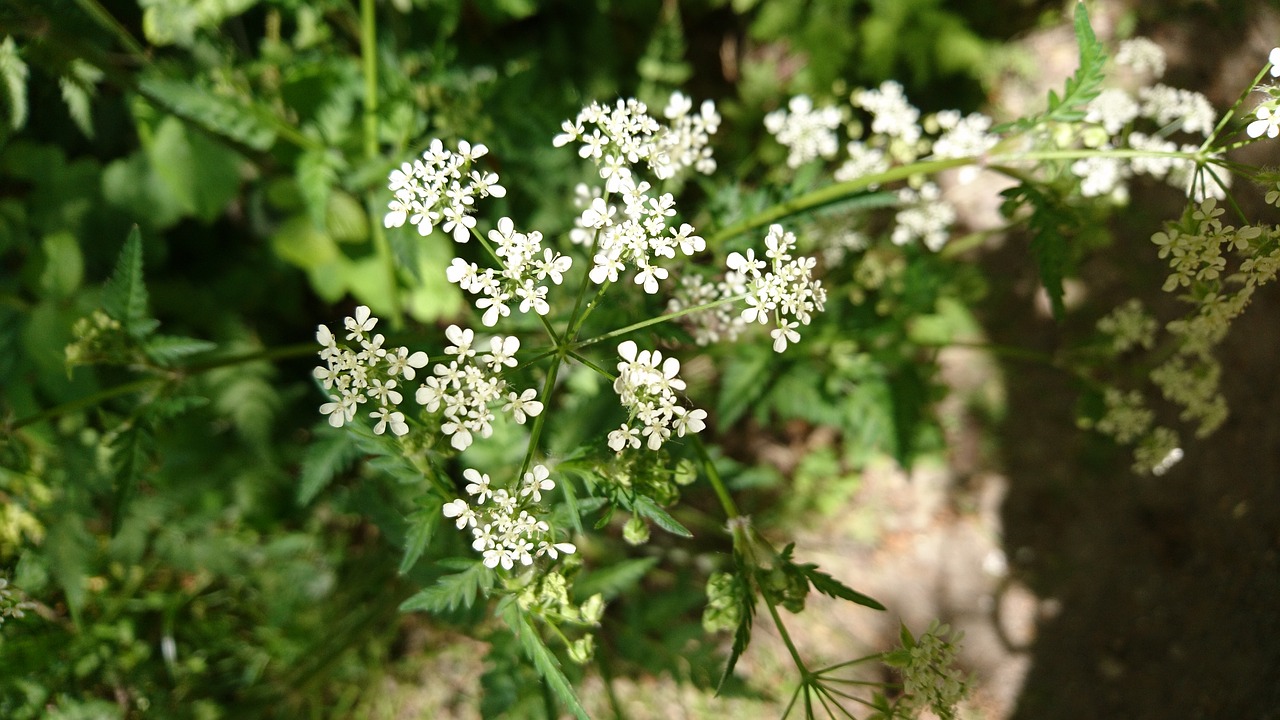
(1051, 219)
(832, 587)
(64, 264)
(317, 173)
(645, 506)
(452, 591)
(422, 526)
(239, 120)
(166, 350)
(125, 295)
(742, 635)
(1080, 88)
(329, 455)
(543, 660)
(13, 78)
(743, 382)
(301, 242)
(612, 580)
(130, 454)
(909, 391)
(78, 89)
(203, 173)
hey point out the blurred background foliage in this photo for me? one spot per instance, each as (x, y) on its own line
(153, 508)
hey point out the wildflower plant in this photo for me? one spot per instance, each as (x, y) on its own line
(632, 240)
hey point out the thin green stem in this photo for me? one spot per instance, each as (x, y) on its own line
(536, 431)
(654, 321)
(833, 193)
(717, 483)
(170, 376)
(369, 66)
(1226, 117)
(103, 17)
(574, 323)
(591, 364)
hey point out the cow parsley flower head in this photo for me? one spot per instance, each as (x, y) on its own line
(353, 377)
(807, 132)
(465, 390)
(779, 287)
(625, 135)
(1142, 56)
(508, 529)
(647, 386)
(440, 188)
(520, 282)
(892, 115)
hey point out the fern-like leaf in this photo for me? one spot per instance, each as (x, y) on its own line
(248, 124)
(130, 453)
(831, 587)
(546, 663)
(747, 606)
(124, 297)
(1083, 86)
(13, 77)
(422, 527)
(452, 591)
(329, 455)
(166, 350)
(1051, 219)
(646, 507)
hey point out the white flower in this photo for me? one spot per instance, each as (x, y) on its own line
(535, 481)
(783, 334)
(386, 418)
(502, 351)
(479, 485)
(361, 323)
(460, 510)
(402, 363)
(522, 405)
(1274, 59)
(1268, 123)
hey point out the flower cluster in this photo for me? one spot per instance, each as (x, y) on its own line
(526, 265)
(470, 384)
(352, 378)
(637, 237)
(712, 324)
(892, 116)
(505, 526)
(1110, 118)
(1267, 114)
(925, 218)
(12, 603)
(626, 134)
(1129, 326)
(781, 289)
(441, 188)
(647, 385)
(929, 678)
(807, 132)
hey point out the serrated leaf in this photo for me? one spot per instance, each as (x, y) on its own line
(317, 173)
(1083, 86)
(743, 382)
(130, 453)
(13, 74)
(78, 89)
(452, 591)
(645, 506)
(612, 580)
(831, 587)
(124, 297)
(171, 407)
(422, 526)
(1050, 221)
(166, 350)
(239, 120)
(329, 455)
(546, 663)
(747, 606)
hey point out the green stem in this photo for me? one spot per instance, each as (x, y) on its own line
(369, 64)
(536, 431)
(717, 483)
(654, 321)
(574, 323)
(172, 375)
(100, 15)
(833, 193)
(805, 675)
